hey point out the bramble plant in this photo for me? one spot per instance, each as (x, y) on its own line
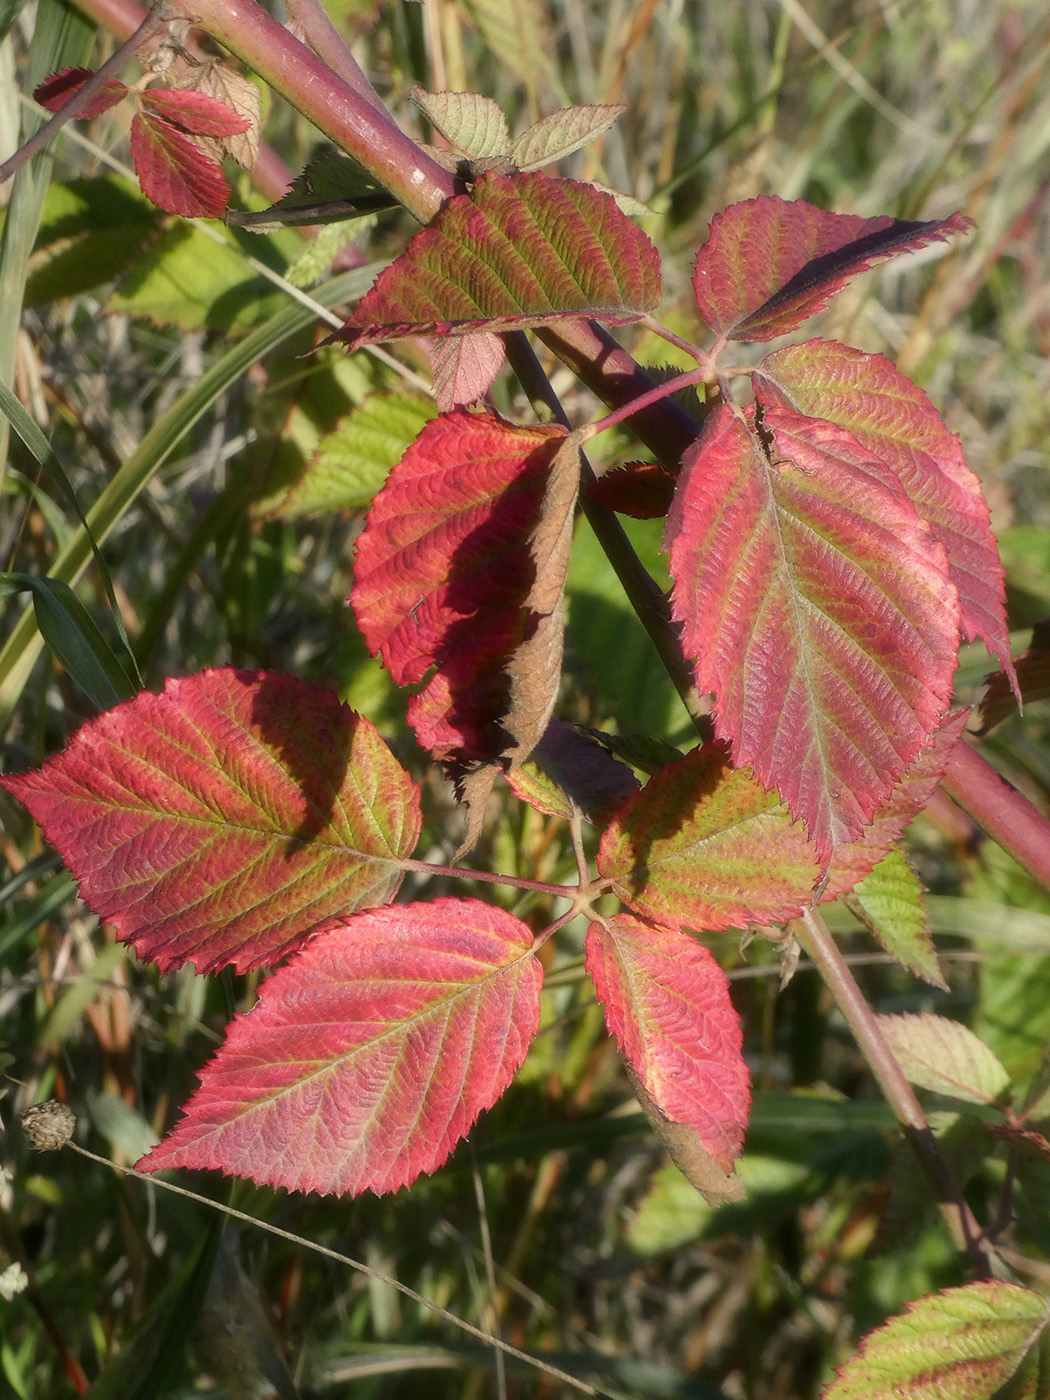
(828, 549)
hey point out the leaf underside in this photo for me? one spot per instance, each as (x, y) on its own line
(173, 170)
(369, 1055)
(818, 609)
(227, 819)
(518, 251)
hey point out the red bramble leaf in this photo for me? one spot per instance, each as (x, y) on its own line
(194, 112)
(369, 1055)
(703, 845)
(54, 92)
(667, 1002)
(518, 251)
(445, 567)
(818, 608)
(643, 490)
(464, 366)
(173, 170)
(768, 263)
(227, 819)
(894, 420)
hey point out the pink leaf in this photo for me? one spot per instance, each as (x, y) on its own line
(369, 1055)
(768, 264)
(894, 420)
(54, 92)
(173, 171)
(196, 113)
(458, 548)
(227, 819)
(551, 249)
(667, 1002)
(818, 608)
(464, 366)
(703, 845)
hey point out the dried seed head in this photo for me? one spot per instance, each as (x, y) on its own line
(48, 1125)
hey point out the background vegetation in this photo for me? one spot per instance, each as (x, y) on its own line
(561, 1225)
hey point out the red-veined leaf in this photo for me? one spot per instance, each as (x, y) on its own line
(54, 92)
(369, 1055)
(704, 845)
(518, 251)
(196, 113)
(173, 171)
(818, 608)
(769, 264)
(894, 420)
(962, 1344)
(462, 564)
(228, 818)
(667, 1003)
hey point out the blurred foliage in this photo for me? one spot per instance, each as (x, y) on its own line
(561, 1225)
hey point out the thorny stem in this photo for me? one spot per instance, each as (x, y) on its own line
(150, 26)
(537, 1363)
(816, 939)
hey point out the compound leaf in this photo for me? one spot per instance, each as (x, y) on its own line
(704, 845)
(56, 91)
(818, 609)
(768, 263)
(518, 251)
(667, 1003)
(227, 819)
(369, 1055)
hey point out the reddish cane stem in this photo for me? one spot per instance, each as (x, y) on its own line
(999, 809)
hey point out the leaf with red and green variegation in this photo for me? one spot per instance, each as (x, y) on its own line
(818, 608)
(853, 860)
(173, 170)
(961, 1344)
(888, 902)
(352, 462)
(462, 564)
(643, 490)
(894, 420)
(196, 113)
(945, 1057)
(667, 1003)
(518, 251)
(571, 769)
(768, 264)
(704, 845)
(54, 92)
(227, 819)
(474, 124)
(554, 137)
(464, 366)
(369, 1055)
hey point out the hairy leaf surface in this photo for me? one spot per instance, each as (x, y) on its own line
(227, 819)
(768, 263)
(471, 122)
(704, 845)
(554, 137)
(894, 420)
(946, 1057)
(963, 1343)
(369, 1055)
(818, 608)
(519, 250)
(667, 1003)
(464, 366)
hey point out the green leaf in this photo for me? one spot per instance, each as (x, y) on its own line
(888, 902)
(472, 123)
(558, 135)
(961, 1344)
(946, 1057)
